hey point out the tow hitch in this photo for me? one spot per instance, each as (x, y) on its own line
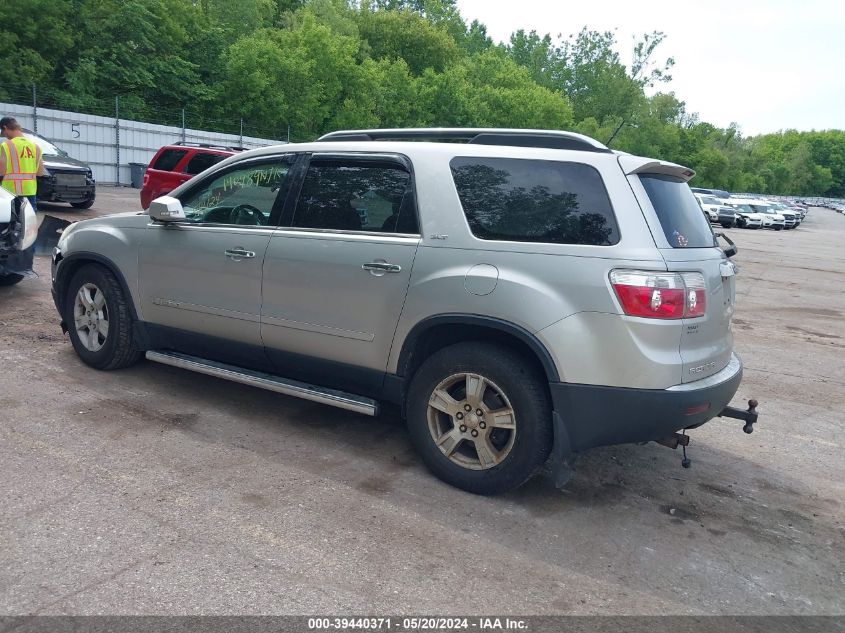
(682, 439)
(749, 415)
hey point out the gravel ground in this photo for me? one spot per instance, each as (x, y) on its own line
(156, 490)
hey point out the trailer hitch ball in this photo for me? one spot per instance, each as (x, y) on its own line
(749, 425)
(749, 416)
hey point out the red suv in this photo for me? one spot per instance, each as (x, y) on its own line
(174, 164)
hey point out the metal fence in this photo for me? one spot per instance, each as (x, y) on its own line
(109, 143)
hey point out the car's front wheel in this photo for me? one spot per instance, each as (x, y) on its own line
(99, 319)
(11, 279)
(85, 204)
(480, 417)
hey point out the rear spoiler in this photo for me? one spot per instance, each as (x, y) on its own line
(639, 165)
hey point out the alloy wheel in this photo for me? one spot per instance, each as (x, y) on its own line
(91, 317)
(471, 421)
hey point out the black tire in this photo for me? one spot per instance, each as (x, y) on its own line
(87, 204)
(11, 279)
(525, 388)
(778, 228)
(727, 225)
(118, 347)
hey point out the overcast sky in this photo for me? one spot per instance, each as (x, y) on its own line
(765, 65)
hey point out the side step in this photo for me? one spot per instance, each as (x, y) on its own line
(332, 397)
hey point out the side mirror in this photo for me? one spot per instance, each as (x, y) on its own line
(166, 209)
(731, 249)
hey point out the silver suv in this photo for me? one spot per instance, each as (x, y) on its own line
(517, 293)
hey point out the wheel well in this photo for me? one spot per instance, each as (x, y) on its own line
(71, 265)
(442, 335)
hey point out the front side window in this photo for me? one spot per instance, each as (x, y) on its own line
(678, 212)
(243, 196)
(523, 200)
(342, 195)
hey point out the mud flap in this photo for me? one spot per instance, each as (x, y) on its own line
(562, 458)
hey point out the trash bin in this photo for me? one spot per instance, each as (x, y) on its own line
(136, 171)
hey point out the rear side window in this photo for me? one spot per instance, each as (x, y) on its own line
(521, 200)
(202, 161)
(169, 158)
(353, 196)
(677, 209)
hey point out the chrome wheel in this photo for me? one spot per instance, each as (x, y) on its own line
(471, 421)
(91, 317)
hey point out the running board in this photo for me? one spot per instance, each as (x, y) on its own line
(294, 388)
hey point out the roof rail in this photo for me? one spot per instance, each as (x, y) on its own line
(211, 146)
(551, 139)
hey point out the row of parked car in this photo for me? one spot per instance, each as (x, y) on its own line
(748, 212)
(838, 206)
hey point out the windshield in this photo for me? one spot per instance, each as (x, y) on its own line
(761, 208)
(47, 148)
(677, 209)
(708, 200)
(743, 207)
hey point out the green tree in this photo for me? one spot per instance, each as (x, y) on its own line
(409, 36)
(37, 35)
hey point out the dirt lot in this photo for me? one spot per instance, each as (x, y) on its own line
(155, 490)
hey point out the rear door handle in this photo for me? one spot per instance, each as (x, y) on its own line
(238, 253)
(379, 268)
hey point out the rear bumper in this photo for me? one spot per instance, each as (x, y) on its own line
(598, 416)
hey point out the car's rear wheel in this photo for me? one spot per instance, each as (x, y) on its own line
(480, 417)
(99, 319)
(85, 204)
(11, 279)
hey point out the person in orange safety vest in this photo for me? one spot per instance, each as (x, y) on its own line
(20, 161)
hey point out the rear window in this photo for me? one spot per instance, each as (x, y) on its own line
(168, 159)
(523, 200)
(202, 161)
(680, 216)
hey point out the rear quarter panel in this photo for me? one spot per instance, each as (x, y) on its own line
(560, 293)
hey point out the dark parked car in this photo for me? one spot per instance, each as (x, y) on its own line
(67, 179)
(719, 193)
(174, 164)
(727, 216)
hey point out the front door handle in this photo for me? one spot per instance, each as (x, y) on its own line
(379, 268)
(238, 253)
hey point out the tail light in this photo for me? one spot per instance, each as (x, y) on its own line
(657, 295)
